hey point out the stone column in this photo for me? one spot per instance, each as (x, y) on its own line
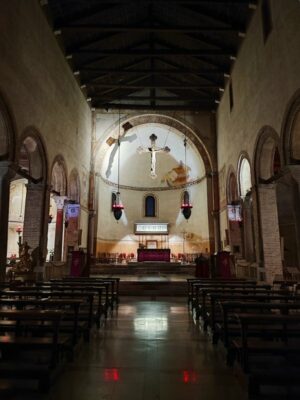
(91, 221)
(34, 219)
(6, 173)
(59, 201)
(270, 231)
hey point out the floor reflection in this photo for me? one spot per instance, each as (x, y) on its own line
(148, 350)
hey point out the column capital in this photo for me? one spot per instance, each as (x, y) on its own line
(60, 201)
(36, 186)
(7, 169)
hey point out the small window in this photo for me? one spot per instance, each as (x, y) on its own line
(267, 24)
(230, 96)
(150, 206)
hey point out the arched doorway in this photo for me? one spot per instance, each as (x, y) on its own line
(172, 178)
(58, 197)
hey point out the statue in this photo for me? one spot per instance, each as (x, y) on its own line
(153, 149)
(25, 263)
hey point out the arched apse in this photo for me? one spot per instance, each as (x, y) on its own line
(172, 174)
(58, 196)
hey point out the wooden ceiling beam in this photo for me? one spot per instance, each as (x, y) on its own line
(147, 29)
(195, 107)
(156, 52)
(158, 98)
(181, 86)
(178, 71)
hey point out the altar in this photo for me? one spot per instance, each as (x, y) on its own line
(153, 255)
(153, 242)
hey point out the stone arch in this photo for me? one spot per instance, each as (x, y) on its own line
(33, 165)
(74, 186)
(245, 176)
(234, 213)
(232, 195)
(267, 155)
(7, 132)
(267, 149)
(245, 184)
(58, 196)
(290, 133)
(32, 157)
(59, 176)
(193, 134)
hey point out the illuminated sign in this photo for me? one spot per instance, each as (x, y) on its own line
(150, 228)
(234, 213)
(72, 210)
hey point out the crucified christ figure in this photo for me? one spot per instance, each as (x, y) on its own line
(153, 149)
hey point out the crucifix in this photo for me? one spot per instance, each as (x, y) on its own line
(153, 149)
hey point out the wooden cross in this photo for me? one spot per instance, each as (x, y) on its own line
(153, 149)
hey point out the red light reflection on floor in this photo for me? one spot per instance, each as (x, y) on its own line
(190, 377)
(111, 374)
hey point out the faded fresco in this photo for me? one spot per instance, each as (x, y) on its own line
(177, 176)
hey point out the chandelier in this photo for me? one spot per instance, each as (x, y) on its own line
(118, 206)
(186, 206)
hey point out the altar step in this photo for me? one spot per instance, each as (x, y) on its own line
(143, 268)
(153, 289)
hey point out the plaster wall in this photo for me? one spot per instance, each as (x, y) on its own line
(41, 91)
(264, 79)
(116, 237)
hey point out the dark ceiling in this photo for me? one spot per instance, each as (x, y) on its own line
(151, 54)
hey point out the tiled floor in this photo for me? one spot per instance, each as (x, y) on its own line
(150, 350)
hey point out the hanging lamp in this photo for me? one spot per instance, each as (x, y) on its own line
(118, 206)
(186, 206)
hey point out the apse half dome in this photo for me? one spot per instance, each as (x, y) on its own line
(136, 161)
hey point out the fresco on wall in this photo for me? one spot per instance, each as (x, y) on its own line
(177, 176)
(162, 167)
(112, 141)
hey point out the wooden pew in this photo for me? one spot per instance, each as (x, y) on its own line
(86, 315)
(69, 306)
(115, 283)
(214, 313)
(192, 282)
(100, 301)
(286, 350)
(202, 304)
(13, 345)
(221, 285)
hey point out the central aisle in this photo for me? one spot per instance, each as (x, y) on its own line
(149, 350)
